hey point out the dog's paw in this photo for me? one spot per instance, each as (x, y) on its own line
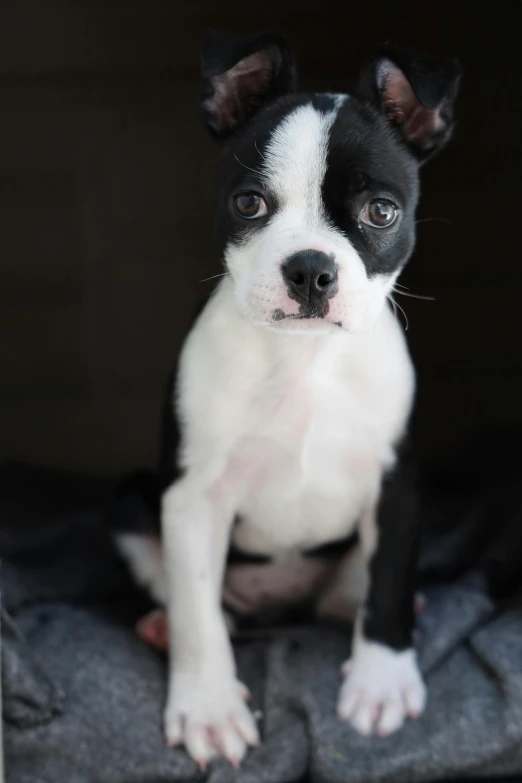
(381, 689)
(209, 716)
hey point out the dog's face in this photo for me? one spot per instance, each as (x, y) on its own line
(316, 214)
(318, 192)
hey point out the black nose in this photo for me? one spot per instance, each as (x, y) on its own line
(310, 276)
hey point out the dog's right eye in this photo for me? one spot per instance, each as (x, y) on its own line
(250, 205)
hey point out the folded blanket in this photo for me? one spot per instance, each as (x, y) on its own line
(83, 696)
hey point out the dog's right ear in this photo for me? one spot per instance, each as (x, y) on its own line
(239, 76)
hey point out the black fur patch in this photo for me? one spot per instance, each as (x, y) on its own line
(389, 613)
(364, 162)
(240, 169)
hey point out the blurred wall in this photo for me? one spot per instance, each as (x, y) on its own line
(106, 183)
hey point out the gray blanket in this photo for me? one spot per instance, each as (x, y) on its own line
(83, 696)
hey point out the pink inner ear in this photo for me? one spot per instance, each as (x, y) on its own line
(240, 86)
(403, 108)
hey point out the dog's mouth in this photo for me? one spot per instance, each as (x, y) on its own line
(279, 315)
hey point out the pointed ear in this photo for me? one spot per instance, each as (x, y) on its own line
(240, 75)
(417, 97)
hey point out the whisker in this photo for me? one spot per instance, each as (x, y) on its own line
(406, 325)
(394, 314)
(246, 167)
(259, 151)
(436, 220)
(414, 296)
(398, 285)
(213, 277)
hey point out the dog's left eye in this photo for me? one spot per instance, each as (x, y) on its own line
(250, 205)
(380, 213)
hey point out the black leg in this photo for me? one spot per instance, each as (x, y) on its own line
(383, 685)
(388, 615)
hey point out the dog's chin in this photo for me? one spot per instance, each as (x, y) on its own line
(301, 325)
(349, 320)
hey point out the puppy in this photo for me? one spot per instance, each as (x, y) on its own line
(286, 421)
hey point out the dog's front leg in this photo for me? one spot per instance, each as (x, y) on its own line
(382, 683)
(205, 705)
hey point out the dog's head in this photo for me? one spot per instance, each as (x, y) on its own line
(318, 191)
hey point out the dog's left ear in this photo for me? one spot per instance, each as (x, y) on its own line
(417, 97)
(240, 74)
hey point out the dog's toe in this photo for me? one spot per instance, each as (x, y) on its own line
(210, 719)
(381, 689)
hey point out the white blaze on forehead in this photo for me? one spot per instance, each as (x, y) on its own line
(295, 159)
(294, 169)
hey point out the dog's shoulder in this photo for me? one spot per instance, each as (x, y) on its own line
(169, 469)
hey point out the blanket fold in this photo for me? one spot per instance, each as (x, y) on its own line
(83, 696)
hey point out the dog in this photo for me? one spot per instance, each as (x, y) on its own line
(286, 475)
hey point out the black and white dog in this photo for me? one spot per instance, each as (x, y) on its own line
(286, 423)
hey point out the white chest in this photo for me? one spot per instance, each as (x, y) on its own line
(312, 459)
(300, 427)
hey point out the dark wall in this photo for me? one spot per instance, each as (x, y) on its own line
(106, 183)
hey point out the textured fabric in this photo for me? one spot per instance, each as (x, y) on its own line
(83, 696)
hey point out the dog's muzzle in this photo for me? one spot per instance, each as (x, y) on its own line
(311, 279)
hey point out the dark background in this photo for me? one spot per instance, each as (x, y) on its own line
(106, 183)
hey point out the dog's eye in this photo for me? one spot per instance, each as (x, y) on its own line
(380, 213)
(250, 205)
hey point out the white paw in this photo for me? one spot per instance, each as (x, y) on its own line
(381, 689)
(209, 716)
